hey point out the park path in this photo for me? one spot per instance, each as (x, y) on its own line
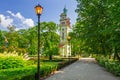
(84, 69)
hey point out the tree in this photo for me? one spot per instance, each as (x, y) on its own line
(96, 24)
(1, 39)
(32, 40)
(26, 40)
(51, 38)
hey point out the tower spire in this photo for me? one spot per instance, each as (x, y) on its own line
(65, 10)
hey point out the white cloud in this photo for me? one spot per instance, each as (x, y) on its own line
(29, 22)
(17, 20)
(25, 21)
(17, 15)
(5, 21)
(11, 13)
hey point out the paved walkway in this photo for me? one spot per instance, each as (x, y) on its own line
(84, 69)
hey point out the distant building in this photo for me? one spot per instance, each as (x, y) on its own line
(64, 46)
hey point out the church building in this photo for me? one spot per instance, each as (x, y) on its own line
(64, 46)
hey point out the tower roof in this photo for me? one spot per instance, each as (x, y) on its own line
(64, 20)
(65, 10)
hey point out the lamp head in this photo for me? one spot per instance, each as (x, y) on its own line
(68, 37)
(38, 9)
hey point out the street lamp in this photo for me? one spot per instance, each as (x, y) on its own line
(68, 38)
(38, 10)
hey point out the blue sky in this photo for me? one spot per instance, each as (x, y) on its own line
(21, 13)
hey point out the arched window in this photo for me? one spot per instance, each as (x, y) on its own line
(63, 34)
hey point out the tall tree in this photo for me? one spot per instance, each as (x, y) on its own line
(97, 23)
(51, 39)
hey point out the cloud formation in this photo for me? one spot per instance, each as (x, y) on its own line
(18, 20)
(17, 15)
(5, 21)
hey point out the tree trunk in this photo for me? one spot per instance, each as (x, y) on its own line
(50, 57)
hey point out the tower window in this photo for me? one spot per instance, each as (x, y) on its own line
(62, 30)
(62, 35)
(63, 23)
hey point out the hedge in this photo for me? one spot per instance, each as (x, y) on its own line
(17, 73)
(111, 65)
(26, 73)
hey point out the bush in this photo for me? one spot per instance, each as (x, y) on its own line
(19, 51)
(16, 68)
(48, 68)
(11, 61)
(17, 73)
(111, 65)
(27, 73)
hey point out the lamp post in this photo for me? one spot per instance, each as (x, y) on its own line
(68, 38)
(38, 10)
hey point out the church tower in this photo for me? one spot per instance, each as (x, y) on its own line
(64, 46)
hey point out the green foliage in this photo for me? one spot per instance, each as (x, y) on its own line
(31, 35)
(110, 65)
(1, 38)
(48, 68)
(17, 73)
(19, 51)
(27, 73)
(11, 61)
(50, 37)
(98, 26)
(23, 41)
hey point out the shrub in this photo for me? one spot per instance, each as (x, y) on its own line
(17, 73)
(27, 73)
(111, 65)
(19, 51)
(11, 61)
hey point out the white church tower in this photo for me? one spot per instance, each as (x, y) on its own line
(64, 46)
